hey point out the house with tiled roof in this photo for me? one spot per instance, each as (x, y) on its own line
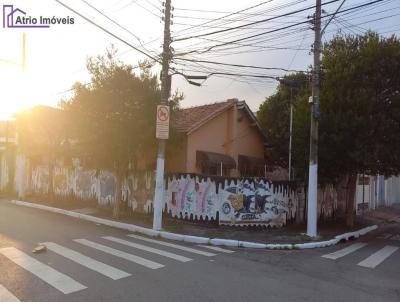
(222, 138)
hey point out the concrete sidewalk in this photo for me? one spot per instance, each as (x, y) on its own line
(382, 215)
(292, 233)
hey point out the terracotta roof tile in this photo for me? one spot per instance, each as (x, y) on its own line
(189, 118)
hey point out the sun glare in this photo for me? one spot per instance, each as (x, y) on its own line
(20, 90)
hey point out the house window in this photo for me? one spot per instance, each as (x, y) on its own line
(212, 163)
(251, 166)
(214, 170)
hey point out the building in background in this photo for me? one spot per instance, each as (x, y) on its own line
(375, 191)
(222, 139)
(8, 141)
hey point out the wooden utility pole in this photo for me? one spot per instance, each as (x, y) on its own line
(313, 169)
(165, 93)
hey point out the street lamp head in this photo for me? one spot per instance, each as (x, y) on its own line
(289, 82)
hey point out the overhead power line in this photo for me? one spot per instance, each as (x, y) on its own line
(239, 65)
(88, 83)
(148, 10)
(108, 32)
(231, 14)
(153, 5)
(224, 20)
(283, 28)
(113, 21)
(253, 23)
(249, 37)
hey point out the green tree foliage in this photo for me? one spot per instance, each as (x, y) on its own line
(360, 106)
(274, 117)
(115, 117)
(360, 112)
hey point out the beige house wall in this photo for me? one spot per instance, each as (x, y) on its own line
(230, 133)
(209, 137)
(247, 141)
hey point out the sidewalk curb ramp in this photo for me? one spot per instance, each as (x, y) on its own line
(196, 239)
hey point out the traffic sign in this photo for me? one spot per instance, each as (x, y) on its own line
(162, 124)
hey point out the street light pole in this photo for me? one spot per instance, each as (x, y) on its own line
(165, 93)
(313, 168)
(290, 83)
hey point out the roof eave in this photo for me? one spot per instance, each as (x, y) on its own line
(210, 117)
(243, 105)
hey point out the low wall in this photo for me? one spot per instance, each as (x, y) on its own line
(231, 201)
(236, 201)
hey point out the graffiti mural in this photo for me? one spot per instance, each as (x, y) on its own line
(255, 203)
(40, 179)
(61, 181)
(232, 201)
(85, 184)
(238, 202)
(138, 191)
(188, 196)
(108, 184)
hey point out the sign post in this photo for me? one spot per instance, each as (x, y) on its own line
(162, 125)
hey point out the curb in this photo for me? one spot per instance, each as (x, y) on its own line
(196, 239)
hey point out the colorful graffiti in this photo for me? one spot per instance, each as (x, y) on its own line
(190, 197)
(255, 202)
(232, 201)
(238, 202)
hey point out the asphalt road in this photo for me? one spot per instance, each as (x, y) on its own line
(81, 265)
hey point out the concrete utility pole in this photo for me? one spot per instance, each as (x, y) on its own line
(165, 93)
(290, 133)
(313, 170)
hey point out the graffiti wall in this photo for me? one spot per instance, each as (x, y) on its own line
(237, 202)
(190, 197)
(256, 202)
(4, 171)
(138, 192)
(83, 184)
(231, 201)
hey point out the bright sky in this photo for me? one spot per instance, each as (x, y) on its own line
(56, 56)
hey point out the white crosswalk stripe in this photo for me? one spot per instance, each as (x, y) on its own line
(377, 258)
(62, 282)
(66, 285)
(6, 296)
(175, 246)
(217, 249)
(343, 252)
(88, 262)
(130, 257)
(148, 249)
